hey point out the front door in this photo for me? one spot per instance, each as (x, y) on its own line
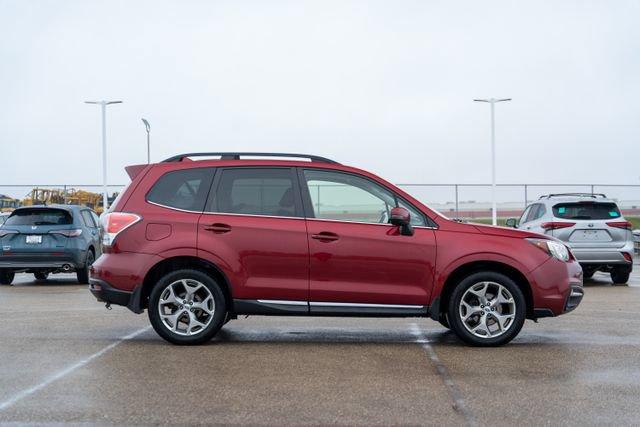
(357, 259)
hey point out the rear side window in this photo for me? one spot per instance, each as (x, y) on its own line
(40, 216)
(256, 191)
(184, 189)
(87, 218)
(586, 210)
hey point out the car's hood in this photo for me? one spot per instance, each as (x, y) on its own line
(506, 232)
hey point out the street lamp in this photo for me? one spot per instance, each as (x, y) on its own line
(493, 101)
(148, 128)
(105, 197)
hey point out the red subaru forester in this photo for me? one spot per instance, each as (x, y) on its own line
(199, 242)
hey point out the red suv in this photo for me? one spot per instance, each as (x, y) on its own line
(199, 242)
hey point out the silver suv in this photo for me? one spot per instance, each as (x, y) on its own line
(590, 224)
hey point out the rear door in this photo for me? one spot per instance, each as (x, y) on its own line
(358, 261)
(593, 224)
(253, 225)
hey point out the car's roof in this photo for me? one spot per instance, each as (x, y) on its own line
(574, 199)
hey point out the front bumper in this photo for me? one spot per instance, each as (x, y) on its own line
(557, 288)
(110, 295)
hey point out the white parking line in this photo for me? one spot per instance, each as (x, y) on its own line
(66, 371)
(458, 402)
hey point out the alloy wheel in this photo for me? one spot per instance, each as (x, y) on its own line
(487, 309)
(186, 307)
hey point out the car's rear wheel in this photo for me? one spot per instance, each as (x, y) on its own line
(83, 273)
(187, 307)
(620, 275)
(41, 276)
(486, 309)
(6, 277)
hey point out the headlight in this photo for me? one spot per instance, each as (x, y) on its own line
(553, 248)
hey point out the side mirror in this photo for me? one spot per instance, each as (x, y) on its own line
(401, 218)
(512, 222)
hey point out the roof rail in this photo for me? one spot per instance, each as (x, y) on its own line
(592, 195)
(237, 156)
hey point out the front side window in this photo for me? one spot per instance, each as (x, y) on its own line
(184, 189)
(256, 191)
(346, 197)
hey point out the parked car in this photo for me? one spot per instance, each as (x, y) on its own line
(199, 242)
(49, 239)
(590, 224)
(3, 217)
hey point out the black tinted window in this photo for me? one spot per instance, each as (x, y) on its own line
(586, 210)
(256, 192)
(40, 216)
(185, 189)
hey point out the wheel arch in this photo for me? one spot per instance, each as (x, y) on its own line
(183, 262)
(439, 305)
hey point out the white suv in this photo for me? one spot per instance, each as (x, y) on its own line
(590, 224)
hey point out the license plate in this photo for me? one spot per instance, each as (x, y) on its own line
(34, 240)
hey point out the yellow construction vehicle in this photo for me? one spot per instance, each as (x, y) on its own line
(44, 196)
(8, 204)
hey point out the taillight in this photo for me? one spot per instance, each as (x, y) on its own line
(627, 256)
(67, 233)
(555, 225)
(620, 224)
(115, 223)
(7, 232)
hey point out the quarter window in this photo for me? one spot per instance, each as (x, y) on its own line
(257, 191)
(184, 189)
(346, 197)
(87, 218)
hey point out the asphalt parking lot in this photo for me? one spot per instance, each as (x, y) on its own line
(68, 360)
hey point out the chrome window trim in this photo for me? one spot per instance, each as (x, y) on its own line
(283, 217)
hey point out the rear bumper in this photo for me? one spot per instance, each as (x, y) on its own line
(596, 255)
(110, 295)
(42, 260)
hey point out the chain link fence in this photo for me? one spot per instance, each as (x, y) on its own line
(465, 201)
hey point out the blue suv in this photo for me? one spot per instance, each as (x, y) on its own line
(49, 239)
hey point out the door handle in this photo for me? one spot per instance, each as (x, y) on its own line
(325, 236)
(218, 228)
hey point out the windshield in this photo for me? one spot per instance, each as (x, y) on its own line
(586, 210)
(39, 216)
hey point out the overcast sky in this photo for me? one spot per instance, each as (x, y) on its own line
(386, 86)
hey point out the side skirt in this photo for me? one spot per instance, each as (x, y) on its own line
(304, 308)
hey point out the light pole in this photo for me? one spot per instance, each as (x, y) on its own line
(148, 128)
(493, 101)
(105, 197)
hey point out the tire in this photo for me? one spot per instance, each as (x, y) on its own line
(482, 327)
(177, 321)
(444, 321)
(588, 274)
(6, 277)
(620, 275)
(83, 273)
(41, 276)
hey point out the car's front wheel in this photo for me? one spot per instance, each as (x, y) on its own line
(187, 307)
(486, 309)
(620, 275)
(6, 277)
